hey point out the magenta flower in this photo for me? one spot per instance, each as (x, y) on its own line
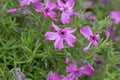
(48, 9)
(13, 10)
(36, 3)
(27, 2)
(87, 70)
(54, 76)
(66, 6)
(73, 71)
(93, 38)
(115, 15)
(60, 36)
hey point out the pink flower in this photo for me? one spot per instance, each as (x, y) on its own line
(27, 2)
(37, 4)
(48, 9)
(54, 76)
(115, 15)
(93, 38)
(66, 6)
(73, 71)
(60, 36)
(13, 10)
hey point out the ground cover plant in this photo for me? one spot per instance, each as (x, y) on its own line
(59, 40)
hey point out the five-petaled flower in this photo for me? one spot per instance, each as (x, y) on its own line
(93, 38)
(48, 9)
(74, 73)
(60, 36)
(66, 6)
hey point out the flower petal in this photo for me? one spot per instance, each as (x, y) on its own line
(55, 27)
(54, 76)
(38, 6)
(60, 3)
(74, 13)
(52, 14)
(34, 1)
(65, 18)
(69, 30)
(51, 35)
(70, 3)
(69, 77)
(86, 31)
(67, 59)
(70, 39)
(13, 10)
(95, 43)
(87, 70)
(115, 15)
(58, 43)
(51, 5)
(71, 68)
(25, 2)
(87, 47)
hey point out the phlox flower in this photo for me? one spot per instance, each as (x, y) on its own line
(74, 73)
(48, 10)
(87, 33)
(36, 3)
(115, 15)
(54, 76)
(66, 6)
(60, 36)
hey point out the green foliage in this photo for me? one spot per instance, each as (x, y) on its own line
(22, 44)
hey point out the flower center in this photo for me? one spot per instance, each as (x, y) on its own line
(65, 9)
(76, 72)
(64, 1)
(47, 10)
(93, 37)
(62, 33)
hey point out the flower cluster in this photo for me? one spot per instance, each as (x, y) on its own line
(65, 35)
(72, 72)
(66, 7)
